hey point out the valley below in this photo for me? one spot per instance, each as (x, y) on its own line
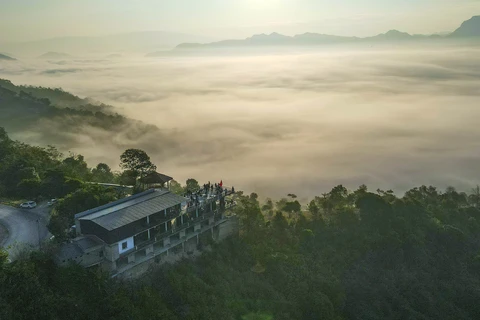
(388, 116)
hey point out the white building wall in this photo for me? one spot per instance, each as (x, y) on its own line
(129, 242)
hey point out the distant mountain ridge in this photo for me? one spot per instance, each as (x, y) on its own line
(469, 28)
(55, 55)
(142, 41)
(5, 57)
(305, 39)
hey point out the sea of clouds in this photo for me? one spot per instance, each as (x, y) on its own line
(298, 122)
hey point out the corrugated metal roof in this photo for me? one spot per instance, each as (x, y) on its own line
(137, 208)
(155, 177)
(112, 204)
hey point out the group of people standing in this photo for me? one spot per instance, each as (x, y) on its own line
(215, 189)
(218, 187)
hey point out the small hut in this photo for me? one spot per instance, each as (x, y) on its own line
(156, 180)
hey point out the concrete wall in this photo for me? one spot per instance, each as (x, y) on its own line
(191, 244)
(130, 245)
(111, 252)
(91, 258)
(185, 249)
(78, 230)
(87, 259)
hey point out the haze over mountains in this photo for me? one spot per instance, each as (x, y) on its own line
(134, 42)
(469, 28)
(55, 55)
(5, 57)
(312, 102)
(159, 43)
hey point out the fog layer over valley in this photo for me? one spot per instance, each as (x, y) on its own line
(275, 124)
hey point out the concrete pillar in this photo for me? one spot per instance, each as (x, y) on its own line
(148, 219)
(149, 250)
(165, 226)
(131, 258)
(198, 239)
(182, 234)
(181, 219)
(165, 212)
(197, 227)
(166, 241)
(110, 266)
(78, 229)
(148, 234)
(196, 212)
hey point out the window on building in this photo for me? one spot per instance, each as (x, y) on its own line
(124, 245)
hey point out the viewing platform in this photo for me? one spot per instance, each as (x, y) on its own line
(152, 225)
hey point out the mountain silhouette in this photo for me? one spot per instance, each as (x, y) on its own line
(306, 39)
(142, 41)
(393, 35)
(4, 57)
(55, 55)
(470, 28)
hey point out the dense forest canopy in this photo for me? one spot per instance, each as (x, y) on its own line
(56, 96)
(346, 255)
(27, 105)
(55, 116)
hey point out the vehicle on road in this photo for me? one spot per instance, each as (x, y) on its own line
(52, 202)
(28, 205)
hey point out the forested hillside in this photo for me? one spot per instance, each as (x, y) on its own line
(59, 117)
(346, 255)
(56, 96)
(38, 173)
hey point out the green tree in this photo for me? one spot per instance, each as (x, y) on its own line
(76, 167)
(267, 208)
(136, 161)
(192, 185)
(29, 188)
(292, 207)
(53, 183)
(5, 144)
(88, 197)
(474, 197)
(176, 187)
(3, 258)
(127, 178)
(102, 173)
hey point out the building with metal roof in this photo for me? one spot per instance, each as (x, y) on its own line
(129, 210)
(123, 234)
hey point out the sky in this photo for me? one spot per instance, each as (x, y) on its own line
(26, 20)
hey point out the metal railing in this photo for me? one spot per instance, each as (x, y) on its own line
(158, 237)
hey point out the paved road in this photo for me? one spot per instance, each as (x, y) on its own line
(23, 228)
